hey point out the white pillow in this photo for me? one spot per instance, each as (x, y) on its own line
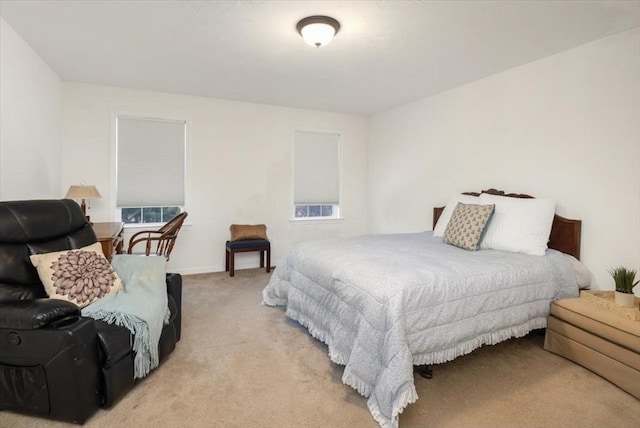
(445, 216)
(518, 225)
(583, 275)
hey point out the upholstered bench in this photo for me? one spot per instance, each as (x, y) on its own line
(233, 247)
(597, 338)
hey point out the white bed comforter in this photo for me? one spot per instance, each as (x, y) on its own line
(383, 303)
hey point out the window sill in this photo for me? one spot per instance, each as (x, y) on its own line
(315, 219)
(142, 225)
(147, 226)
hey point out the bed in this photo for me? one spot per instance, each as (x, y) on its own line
(386, 303)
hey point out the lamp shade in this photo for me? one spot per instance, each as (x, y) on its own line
(318, 30)
(83, 192)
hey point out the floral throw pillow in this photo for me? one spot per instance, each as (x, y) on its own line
(80, 276)
(467, 224)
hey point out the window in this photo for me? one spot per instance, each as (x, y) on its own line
(316, 175)
(133, 215)
(150, 167)
(314, 211)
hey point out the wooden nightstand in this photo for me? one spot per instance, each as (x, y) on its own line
(110, 236)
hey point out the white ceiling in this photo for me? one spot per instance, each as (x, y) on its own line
(387, 52)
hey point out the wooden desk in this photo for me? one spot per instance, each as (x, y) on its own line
(110, 237)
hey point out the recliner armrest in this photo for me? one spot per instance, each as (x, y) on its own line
(35, 313)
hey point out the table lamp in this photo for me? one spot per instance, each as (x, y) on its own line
(83, 192)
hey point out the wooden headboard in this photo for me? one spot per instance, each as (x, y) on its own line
(565, 233)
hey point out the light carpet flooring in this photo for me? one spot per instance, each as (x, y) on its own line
(242, 364)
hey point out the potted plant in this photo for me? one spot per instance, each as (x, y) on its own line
(624, 278)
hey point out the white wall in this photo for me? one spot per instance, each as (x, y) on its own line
(565, 127)
(239, 167)
(30, 143)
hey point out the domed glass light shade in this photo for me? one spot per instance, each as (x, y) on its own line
(318, 30)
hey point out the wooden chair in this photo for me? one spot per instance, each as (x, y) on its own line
(164, 238)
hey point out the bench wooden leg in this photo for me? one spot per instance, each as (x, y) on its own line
(229, 264)
(268, 259)
(232, 257)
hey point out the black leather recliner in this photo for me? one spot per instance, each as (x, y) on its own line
(53, 362)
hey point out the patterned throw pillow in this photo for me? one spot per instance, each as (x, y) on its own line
(241, 232)
(467, 224)
(79, 276)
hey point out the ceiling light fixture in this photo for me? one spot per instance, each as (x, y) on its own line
(318, 30)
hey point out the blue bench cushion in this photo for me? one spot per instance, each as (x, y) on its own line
(248, 243)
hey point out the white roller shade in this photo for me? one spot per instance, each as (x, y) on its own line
(316, 168)
(151, 159)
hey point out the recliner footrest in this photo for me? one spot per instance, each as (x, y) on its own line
(114, 341)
